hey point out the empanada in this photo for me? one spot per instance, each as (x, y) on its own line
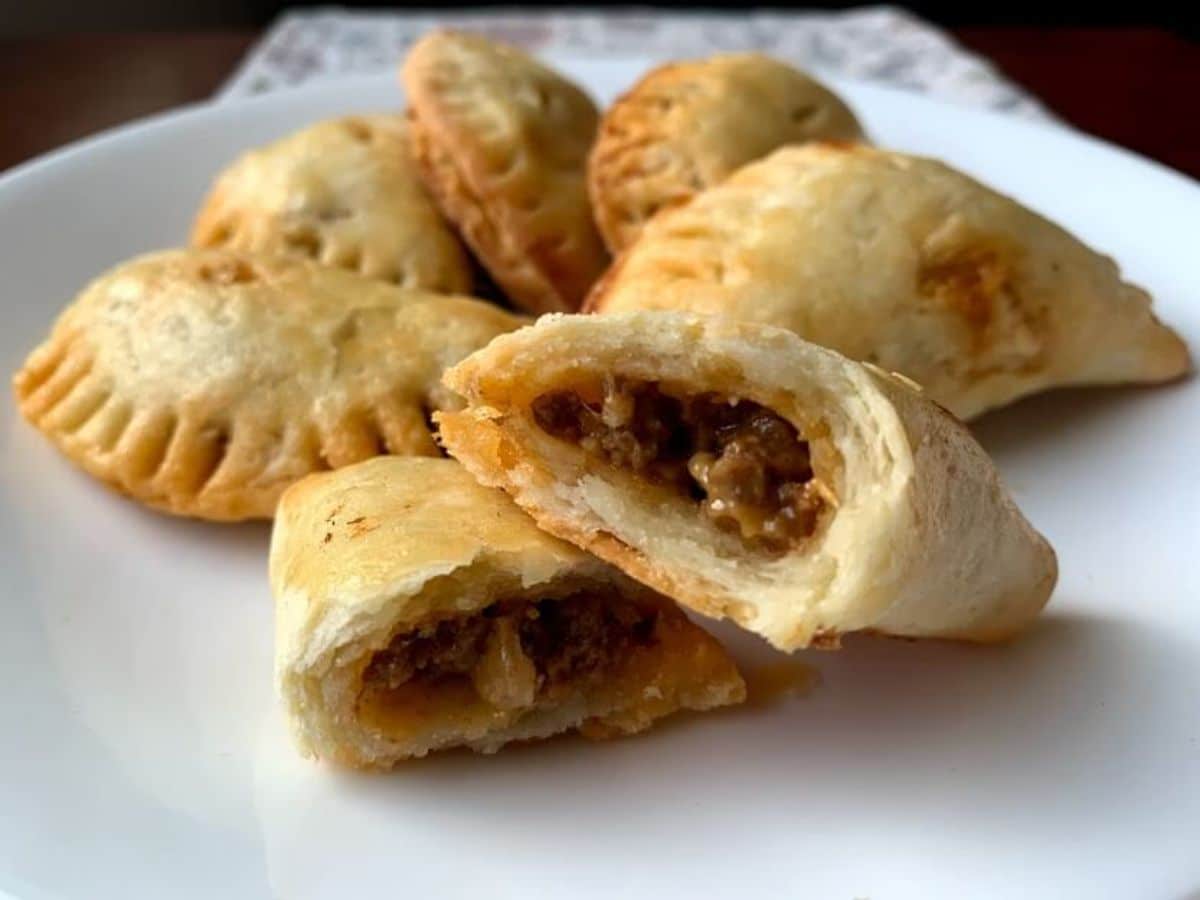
(905, 263)
(687, 125)
(417, 610)
(204, 382)
(345, 193)
(502, 142)
(747, 473)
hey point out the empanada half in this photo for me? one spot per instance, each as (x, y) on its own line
(417, 610)
(343, 192)
(687, 125)
(749, 474)
(905, 263)
(204, 382)
(502, 142)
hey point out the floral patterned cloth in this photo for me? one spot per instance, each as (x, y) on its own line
(878, 43)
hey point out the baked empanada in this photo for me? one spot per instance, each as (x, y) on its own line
(747, 473)
(687, 125)
(204, 382)
(345, 193)
(502, 141)
(417, 610)
(905, 263)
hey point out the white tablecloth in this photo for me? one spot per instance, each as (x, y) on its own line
(879, 43)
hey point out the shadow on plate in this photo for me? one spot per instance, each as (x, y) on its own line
(1032, 729)
(1034, 424)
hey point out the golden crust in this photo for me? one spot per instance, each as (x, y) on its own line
(204, 382)
(376, 549)
(686, 126)
(922, 540)
(501, 142)
(905, 263)
(344, 192)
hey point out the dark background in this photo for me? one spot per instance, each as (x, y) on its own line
(30, 17)
(1128, 73)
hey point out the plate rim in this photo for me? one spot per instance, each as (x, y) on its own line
(215, 106)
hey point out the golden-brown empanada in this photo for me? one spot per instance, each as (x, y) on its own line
(687, 125)
(750, 474)
(905, 263)
(417, 610)
(204, 382)
(345, 193)
(502, 143)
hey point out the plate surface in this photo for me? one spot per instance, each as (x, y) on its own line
(142, 753)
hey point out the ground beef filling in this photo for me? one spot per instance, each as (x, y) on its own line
(517, 654)
(747, 466)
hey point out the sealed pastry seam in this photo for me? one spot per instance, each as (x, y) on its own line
(501, 141)
(203, 382)
(848, 528)
(451, 185)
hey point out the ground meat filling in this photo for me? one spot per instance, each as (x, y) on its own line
(517, 654)
(747, 466)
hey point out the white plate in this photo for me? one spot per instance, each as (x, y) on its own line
(142, 754)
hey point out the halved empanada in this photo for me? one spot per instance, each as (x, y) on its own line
(502, 142)
(687, 125)
(204, 382)
(749, 474)
(417, 610)
(905, 263)
(345, 193)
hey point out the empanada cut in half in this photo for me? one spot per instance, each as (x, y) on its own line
(746, 473)
(344, 192)
(417, 610)
(688, 125)
(502, 143)
(905, 263)
(204, 382)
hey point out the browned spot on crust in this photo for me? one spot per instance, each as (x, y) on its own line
(826, 640)
(358, 130)
(361, 525)
(840, 145)
(227, 271)
(969, 282)
(303, 240)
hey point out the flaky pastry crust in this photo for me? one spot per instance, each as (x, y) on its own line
(381, 548)
(905, 263)
(345, 193)
(204, 382)
(686, 126)
(920, 540)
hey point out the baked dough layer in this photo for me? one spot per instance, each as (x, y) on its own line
(392, 546)
(905, 263)
(921, 540)
(344, 192)
(204, 382)
(501, 142)
(686, 126)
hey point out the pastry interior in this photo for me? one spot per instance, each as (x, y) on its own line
(746, 469)
(573, 652)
